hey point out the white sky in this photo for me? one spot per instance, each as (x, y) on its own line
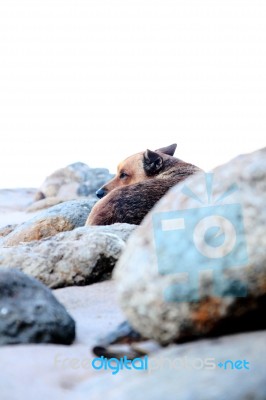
(96, 81)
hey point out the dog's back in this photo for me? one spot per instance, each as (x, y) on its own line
(130, 203)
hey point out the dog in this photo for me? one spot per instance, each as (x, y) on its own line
(141, 180)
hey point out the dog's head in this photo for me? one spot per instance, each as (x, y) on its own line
(138, 168)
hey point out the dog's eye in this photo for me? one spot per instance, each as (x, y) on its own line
(123, 175)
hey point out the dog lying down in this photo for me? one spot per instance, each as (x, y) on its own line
(141, 180)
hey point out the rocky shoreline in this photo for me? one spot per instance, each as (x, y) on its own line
(43, 237)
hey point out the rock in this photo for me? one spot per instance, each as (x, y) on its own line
(95, 178)
(60, 218)
(189, 371)
(44, 203)
(123, 335)
(5, 230)
(73, 181)
(29, 313)
(178, 282)
(79, 257)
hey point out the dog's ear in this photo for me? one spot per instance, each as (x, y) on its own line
(152, 162)
(170, 150)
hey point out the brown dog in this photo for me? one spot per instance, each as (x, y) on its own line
(141, 181)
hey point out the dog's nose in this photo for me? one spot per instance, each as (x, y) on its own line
(100, 193)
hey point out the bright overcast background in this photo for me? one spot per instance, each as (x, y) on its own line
(98, 80)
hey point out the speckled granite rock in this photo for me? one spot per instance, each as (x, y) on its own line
(60, 218)
(78, 257)
(175, 284)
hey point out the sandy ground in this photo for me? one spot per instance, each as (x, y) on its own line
(50, 371)
(13, 203)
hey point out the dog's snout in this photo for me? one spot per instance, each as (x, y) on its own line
(100, 193)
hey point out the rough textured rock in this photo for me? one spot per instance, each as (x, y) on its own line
(170, 292)
(73, 181)
(190, 371)
(60, 218)
(84, 255)
(95, 178)
(29, 313)
(44, 203)
(7, 229)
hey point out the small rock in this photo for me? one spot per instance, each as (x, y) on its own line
(79, 257)
(44, 203)
(73, 181)
(7, 229)
(60, 218)
(174, 290)
(29, 312)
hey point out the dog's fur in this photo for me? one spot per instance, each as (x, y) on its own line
(141, 181)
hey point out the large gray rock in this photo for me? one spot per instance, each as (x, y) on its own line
(29, 313)
(82, 256)
(59, 218)
(73, 181)
(184, 281)
(190, 371)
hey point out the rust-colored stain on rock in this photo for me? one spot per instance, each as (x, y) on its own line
(206, 313)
